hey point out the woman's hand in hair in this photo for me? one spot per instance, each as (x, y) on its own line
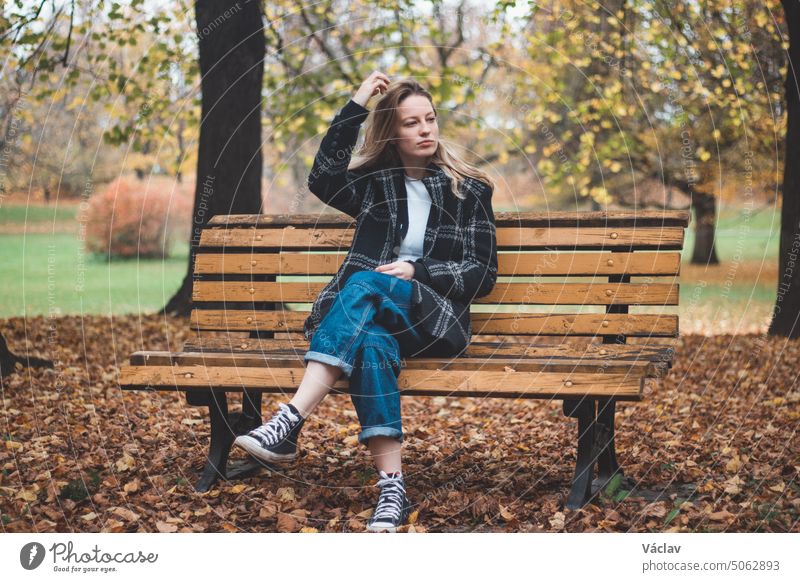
(376, 83)
(402, 269)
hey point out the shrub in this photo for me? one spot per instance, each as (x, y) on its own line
(135, 218)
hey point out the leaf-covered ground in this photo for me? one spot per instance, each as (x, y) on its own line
(713, 448)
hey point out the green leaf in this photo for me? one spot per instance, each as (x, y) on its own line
(613, 485)
(671, 515)
(621, 495)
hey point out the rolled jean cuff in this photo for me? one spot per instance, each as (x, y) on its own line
(386, 431)
(331, 360)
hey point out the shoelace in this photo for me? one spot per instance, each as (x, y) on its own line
(277, 428)
(390, 502)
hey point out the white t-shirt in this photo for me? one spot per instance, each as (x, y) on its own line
(419, 206)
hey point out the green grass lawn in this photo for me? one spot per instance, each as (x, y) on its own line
(24, 214)
(48, 272)
(755, 237)
(51, 273)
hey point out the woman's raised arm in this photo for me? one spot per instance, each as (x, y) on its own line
(329, 179)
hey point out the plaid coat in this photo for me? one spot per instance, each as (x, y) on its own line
(459, 261)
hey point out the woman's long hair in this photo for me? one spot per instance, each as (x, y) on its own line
(380, 151)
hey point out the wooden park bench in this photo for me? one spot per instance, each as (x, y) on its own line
(583, 272)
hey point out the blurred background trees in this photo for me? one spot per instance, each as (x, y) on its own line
(571, 105)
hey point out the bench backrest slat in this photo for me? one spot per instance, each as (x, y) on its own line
(509, 263)
(524, 238)
(626, 218)
(261, 272)
(566, 324)
(530, 293)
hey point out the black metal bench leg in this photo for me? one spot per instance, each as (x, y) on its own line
(607, 465)
(251, 409)
(222, 438)
(242, 423)
(225, 428)
(584, 411)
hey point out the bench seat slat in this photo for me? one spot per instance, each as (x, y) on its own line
(285, 360)
(642, 352)
(411, 382)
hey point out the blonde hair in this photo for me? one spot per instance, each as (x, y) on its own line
(380, 151)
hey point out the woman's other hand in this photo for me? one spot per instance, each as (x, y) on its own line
(376, 83)
(402, 269)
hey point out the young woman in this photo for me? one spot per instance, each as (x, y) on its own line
(424, 248)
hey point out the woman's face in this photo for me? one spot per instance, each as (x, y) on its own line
(417, 133)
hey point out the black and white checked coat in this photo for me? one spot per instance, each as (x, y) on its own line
(459, 262)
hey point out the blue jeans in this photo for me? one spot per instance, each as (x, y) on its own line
(365, 333)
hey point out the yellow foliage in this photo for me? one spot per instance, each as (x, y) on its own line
(546, 166)
(600, 195)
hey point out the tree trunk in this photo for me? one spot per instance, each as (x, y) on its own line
(705, 214)
(787, 303)
(232, 47)
(9, 360)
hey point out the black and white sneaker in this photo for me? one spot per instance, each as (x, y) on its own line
(393, 506)
(276, 440)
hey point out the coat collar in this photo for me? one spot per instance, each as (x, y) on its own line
(435, 175)
(394, 186)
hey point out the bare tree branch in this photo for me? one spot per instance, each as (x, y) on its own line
(65, 58)
(325, 48)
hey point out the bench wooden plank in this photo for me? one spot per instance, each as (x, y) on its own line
(503, 293)
(509, 264)
(494, 363)
(668, 238)
(560, 324)
(643, 352)
(411, 382)
(516, 219)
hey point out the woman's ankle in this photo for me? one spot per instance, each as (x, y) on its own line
(297, 410)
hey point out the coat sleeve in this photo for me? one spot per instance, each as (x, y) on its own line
(474, 276)
(330, 180)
